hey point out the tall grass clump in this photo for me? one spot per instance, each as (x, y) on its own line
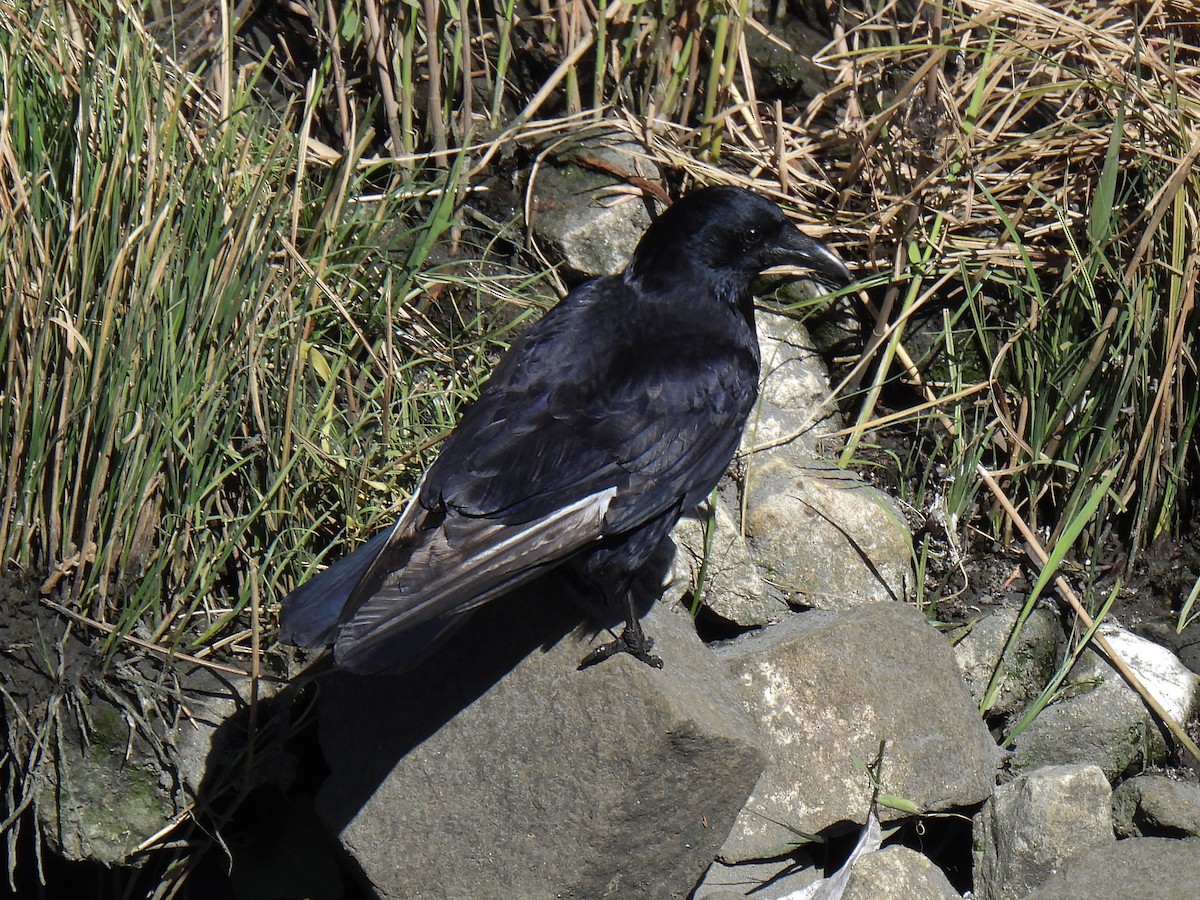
(227, 340)
(1024, 174)
(202, 384)
(453, 78)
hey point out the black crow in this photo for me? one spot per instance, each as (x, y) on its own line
(610, 417)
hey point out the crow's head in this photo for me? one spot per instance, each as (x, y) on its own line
(727, 235)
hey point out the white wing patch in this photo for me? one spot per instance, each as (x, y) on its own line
(466, 562)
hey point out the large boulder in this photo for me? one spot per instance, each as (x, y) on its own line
(1026, 667)
(828, 690)
(592, 232)
(1101, 720)
(1157, 806)
(1134, 869)
(498, 770)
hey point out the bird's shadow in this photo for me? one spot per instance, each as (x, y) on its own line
(274, 755)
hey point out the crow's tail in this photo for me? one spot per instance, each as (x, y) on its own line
(311, 613)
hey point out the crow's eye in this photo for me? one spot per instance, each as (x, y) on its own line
(751, 236)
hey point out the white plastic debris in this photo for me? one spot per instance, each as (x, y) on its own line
(834, 886)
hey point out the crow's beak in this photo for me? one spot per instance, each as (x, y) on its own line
(798, 250)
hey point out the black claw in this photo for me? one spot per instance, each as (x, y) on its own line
(599, 654)
(632, 641)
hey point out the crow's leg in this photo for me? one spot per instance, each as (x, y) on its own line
(632, 641)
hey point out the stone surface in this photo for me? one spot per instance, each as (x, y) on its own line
(1157, 806)
(1134, 869)
(1100, 721)
(212, 736)
(897, 873)
(784, 67)
(792, 392)
(101, 794)
(773, 878)
(794, 396)
(1169, 681)
(498, 770)
(823, 535)
(1034, 825)
(827, 689)
(591, 234)
(733, 589)
(1027, 667)
(817, 532)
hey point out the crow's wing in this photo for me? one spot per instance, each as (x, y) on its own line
(437, 575)
(310, 613)
(675, 422)
(569, 442)
(310, 616)
(607, 390)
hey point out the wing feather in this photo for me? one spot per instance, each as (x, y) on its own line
(460, 565)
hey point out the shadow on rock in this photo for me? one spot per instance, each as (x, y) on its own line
(371, 722)
(267, 762)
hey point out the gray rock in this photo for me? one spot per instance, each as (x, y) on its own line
(592, 235)
(1169, 681)
(898, 873)
(1187, 644)
(1101, 721)
(1034, 825)
(793, 387)
(498, 770)
(733, 588)
(1027, 667)
(200, 747)
(95, 800)
(772, 878)
(822, 534)
(107, 786)
(816, 531)
(827, 689)
(1134, 869)
(793, 392)
(1157, 806)
(787, 72)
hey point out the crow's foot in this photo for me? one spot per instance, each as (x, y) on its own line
(632, 641)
